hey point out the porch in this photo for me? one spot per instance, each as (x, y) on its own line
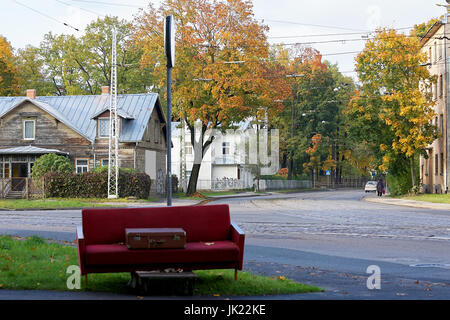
(15, 170)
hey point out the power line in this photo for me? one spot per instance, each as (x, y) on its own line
(109, 3)
(77, 7)
(45, 15)
(331, 34)
(311, 25)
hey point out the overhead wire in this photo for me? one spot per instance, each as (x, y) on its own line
(45, 15)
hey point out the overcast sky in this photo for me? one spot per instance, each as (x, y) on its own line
(293, 19)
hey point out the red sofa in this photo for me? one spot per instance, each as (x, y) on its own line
(212, 240)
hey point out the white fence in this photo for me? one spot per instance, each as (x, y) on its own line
(284, 184)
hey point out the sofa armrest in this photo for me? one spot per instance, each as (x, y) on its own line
(80, 235)
(238, 237)
(81, 245)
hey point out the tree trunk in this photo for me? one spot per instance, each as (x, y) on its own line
(290, 168)
(413, 172)
(192, 187)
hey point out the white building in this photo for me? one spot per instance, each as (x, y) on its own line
(224, 165)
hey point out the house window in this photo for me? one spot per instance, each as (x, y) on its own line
(225, 148)
(188, 148)
(103, 127)
(436, 164)
(29, 129)
(441, 123)
(156, 132)
(441, 86)
(82, 165)
(442, 164)
(435, 52)
(105, 162)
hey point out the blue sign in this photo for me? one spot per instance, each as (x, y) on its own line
(328, 173)
(373, 173)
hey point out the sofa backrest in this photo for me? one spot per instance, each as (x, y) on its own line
(201, 223)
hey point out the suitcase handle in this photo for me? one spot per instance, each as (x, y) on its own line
(159, 241)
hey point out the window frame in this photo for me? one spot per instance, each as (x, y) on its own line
(81, 166)
(24, 131)
(226, 146)
(98, 126)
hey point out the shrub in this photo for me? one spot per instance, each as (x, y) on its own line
(95, 185)
(51, 162)
(121, 170)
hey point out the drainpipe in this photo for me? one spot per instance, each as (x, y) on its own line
(134, 156)
(446, 103)
(93, 152)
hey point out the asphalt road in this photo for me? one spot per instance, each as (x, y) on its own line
(323, 238)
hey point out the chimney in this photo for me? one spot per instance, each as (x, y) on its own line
(105, 89)
(31, 93)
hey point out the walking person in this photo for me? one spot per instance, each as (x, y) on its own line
(380, 187)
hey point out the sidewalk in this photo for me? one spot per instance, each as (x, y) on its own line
(408, 203)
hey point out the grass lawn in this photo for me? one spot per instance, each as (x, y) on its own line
(33, 263)
(436, 198)
(56, 203)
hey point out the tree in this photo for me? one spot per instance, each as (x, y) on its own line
(9, 82)
(51, 162)
(77, 66)
(319, 93)
(222, 75)
(393, 110)
(420, 30)
(31, 71)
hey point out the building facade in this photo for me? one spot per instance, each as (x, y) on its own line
(434, 169)
(225, 164)
(78, 127)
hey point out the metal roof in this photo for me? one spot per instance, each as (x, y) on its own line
(77, 111)
(30, 150)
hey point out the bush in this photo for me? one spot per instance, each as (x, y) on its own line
(121, 170)
(95, 185)
(51, 162)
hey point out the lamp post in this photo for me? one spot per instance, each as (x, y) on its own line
(169, 46)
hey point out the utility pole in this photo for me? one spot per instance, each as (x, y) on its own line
(169, 46)
(113, 150)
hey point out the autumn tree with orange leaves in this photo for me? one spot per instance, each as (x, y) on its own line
(9, 83)
(393, 110)
(221, 74)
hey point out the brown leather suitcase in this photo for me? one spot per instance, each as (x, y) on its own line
(155, 238)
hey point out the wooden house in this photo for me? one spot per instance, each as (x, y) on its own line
(78, 127)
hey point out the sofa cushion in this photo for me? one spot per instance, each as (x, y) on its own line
(119, 254)
(201, 223)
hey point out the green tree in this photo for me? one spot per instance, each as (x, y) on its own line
(421, 29)
(83, 65)
(31, 71)
(319, 93)
(51, 162)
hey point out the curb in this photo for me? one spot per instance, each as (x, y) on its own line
(409, 203)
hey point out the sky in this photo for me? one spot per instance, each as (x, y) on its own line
(290, 21)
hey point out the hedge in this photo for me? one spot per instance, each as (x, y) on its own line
(95, 185)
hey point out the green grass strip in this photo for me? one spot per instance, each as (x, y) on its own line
(33, 263)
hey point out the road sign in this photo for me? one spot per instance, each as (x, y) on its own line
(328, 173)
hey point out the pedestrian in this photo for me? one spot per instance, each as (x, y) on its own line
(380, 187)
